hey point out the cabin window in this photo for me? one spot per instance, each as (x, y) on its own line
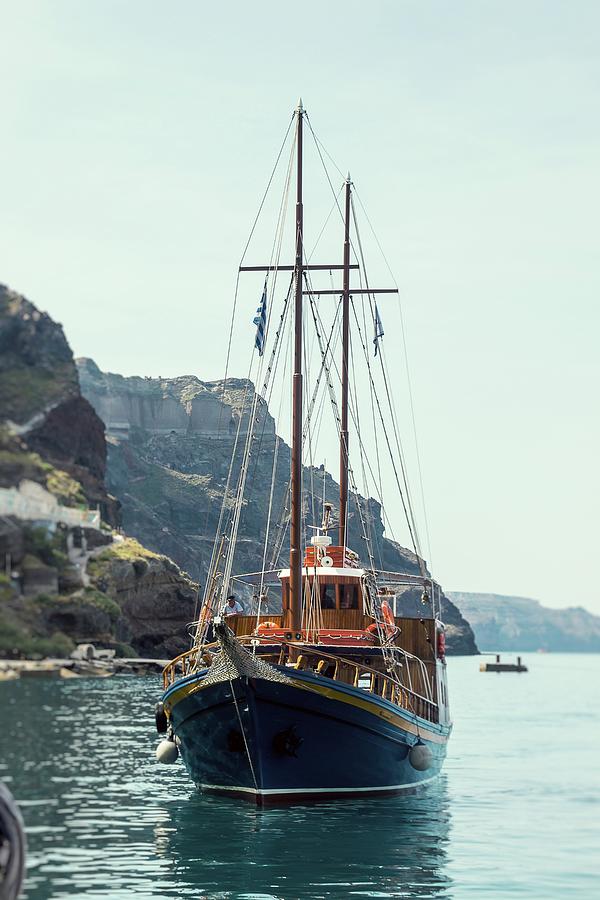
(327, 596)
(350, 597)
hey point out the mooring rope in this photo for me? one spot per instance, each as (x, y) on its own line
(235, 703)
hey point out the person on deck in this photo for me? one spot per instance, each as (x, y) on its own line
(233, 607)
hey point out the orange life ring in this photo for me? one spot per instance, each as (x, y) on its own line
(441, 645)
(265, 626)
(388, 624)
(388, 615)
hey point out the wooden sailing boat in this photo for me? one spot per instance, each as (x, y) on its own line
(336, 696)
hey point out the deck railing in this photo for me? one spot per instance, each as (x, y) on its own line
(316, 660)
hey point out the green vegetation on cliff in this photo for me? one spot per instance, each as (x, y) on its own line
(67, 584)
(24, 391)
(17, 641)
(36, 365)
(18, 463)
(136, 602)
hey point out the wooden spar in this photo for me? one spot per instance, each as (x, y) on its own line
(293, 614)
(317, 293)
(320, 267)
(345, 379)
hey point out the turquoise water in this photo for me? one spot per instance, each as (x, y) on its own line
(516, 813)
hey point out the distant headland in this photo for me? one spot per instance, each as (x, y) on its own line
(520, 623)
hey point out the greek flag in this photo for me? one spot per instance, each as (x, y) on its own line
(260, 320)
(379, 332)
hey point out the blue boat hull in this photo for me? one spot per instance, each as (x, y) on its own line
(310, 738)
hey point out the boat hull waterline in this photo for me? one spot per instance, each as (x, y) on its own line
(310, 738)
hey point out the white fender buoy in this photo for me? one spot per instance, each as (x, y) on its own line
(420, 757)
(167, 752)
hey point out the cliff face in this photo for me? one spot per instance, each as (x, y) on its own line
(519, 623)
(169, 446)
(64, 582)
(37, 371)
(116, 594)
(170, 443)
(41, 406)
(164, 406)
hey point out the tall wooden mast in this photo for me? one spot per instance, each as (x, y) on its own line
(345, 378)
(293, 615)
(292, 599)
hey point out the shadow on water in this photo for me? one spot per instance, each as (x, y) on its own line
(393, 847)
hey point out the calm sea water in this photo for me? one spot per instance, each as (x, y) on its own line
(516, 813)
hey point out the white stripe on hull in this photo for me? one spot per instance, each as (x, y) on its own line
(288, 791)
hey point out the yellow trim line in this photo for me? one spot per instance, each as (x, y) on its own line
(332, 694)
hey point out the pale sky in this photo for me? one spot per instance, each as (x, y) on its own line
(136, 139)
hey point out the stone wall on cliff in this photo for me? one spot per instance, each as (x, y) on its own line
(181, 406)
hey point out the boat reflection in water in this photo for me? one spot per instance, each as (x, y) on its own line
(391, 847)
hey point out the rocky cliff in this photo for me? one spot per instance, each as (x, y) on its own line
(63, 582)
(42, 410)
(170, 442)
(519, 623)
(169, 445)
(119, 595)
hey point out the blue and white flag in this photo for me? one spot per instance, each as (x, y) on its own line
(379, 332)
(260, 320)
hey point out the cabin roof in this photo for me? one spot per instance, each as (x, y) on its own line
(327, 571)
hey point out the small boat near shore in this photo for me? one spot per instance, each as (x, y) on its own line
(337, 693)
